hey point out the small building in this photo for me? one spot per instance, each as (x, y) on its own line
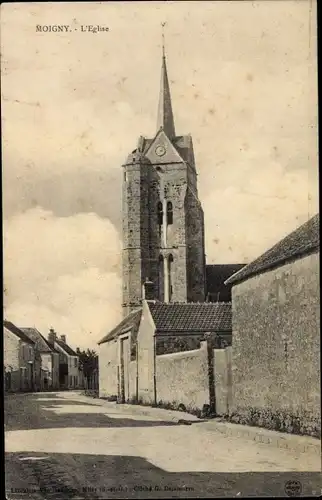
(276, 335)
(20, 362)
(49, 379)
(130, 364)
(69, 377)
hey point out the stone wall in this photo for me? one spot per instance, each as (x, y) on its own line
(144, 179)
(11, 346)
(133, 381)
(19, 358)
(145, 357)
(50, 362)
(131, 255)
(223, 380)
(195, 248)
(55, 370)
(175, 184)
(182, 378)
(108, 369)
(47, 366)
(276, 348)
(73, 372)
(168, 344)
(26, 361)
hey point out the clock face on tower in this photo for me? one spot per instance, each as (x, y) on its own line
(160, 150)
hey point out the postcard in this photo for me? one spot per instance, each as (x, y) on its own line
(161, 249)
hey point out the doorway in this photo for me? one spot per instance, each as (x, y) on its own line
(125, 361)
(8, 381)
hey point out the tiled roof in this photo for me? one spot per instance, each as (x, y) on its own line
(68, 350)
(19, 333)
(216, 275)
(191, 317)
(40, 341)
(131, 322)
(302, 241)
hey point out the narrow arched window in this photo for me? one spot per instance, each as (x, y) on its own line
(161, 278)
(169, 213)
(160, 213)
(170, 275)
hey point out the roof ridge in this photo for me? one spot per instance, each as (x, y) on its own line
(29, 328)
(59, 342)
(46, 341)
(17, 331)
(114, 332)
(39, 338)
(287, 248)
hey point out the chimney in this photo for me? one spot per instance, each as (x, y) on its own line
(148, 290)
(63, 338)
(51, 336)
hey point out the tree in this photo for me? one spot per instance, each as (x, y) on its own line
(88, 363)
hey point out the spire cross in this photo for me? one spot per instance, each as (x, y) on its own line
(165, 115)
(163, 39)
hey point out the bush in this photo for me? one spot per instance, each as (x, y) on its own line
(109, 398)
(90, 393)
(166, 405)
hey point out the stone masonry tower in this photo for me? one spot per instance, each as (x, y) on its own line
(163, 221)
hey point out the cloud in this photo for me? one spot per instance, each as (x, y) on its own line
(73, 108)
(269, 203)
(62, 272)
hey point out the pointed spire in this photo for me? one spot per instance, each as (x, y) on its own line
(165, 115)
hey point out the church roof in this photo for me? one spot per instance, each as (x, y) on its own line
(131, 322)
(302, 241)
(216, 275)
(191, 317)
(40, 341)
(165, 115)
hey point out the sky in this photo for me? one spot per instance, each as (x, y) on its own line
(243, 81)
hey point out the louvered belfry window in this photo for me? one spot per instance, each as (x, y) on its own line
(160, 213)
(169, 213)
(161, 278)
(170, 276)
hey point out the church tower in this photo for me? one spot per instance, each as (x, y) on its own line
(163, 221)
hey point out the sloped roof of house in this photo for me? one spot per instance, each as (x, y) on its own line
(302, 241)
(18, 332)
(191, 317)
(68, 350)
(40, 341)
(131, 322)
